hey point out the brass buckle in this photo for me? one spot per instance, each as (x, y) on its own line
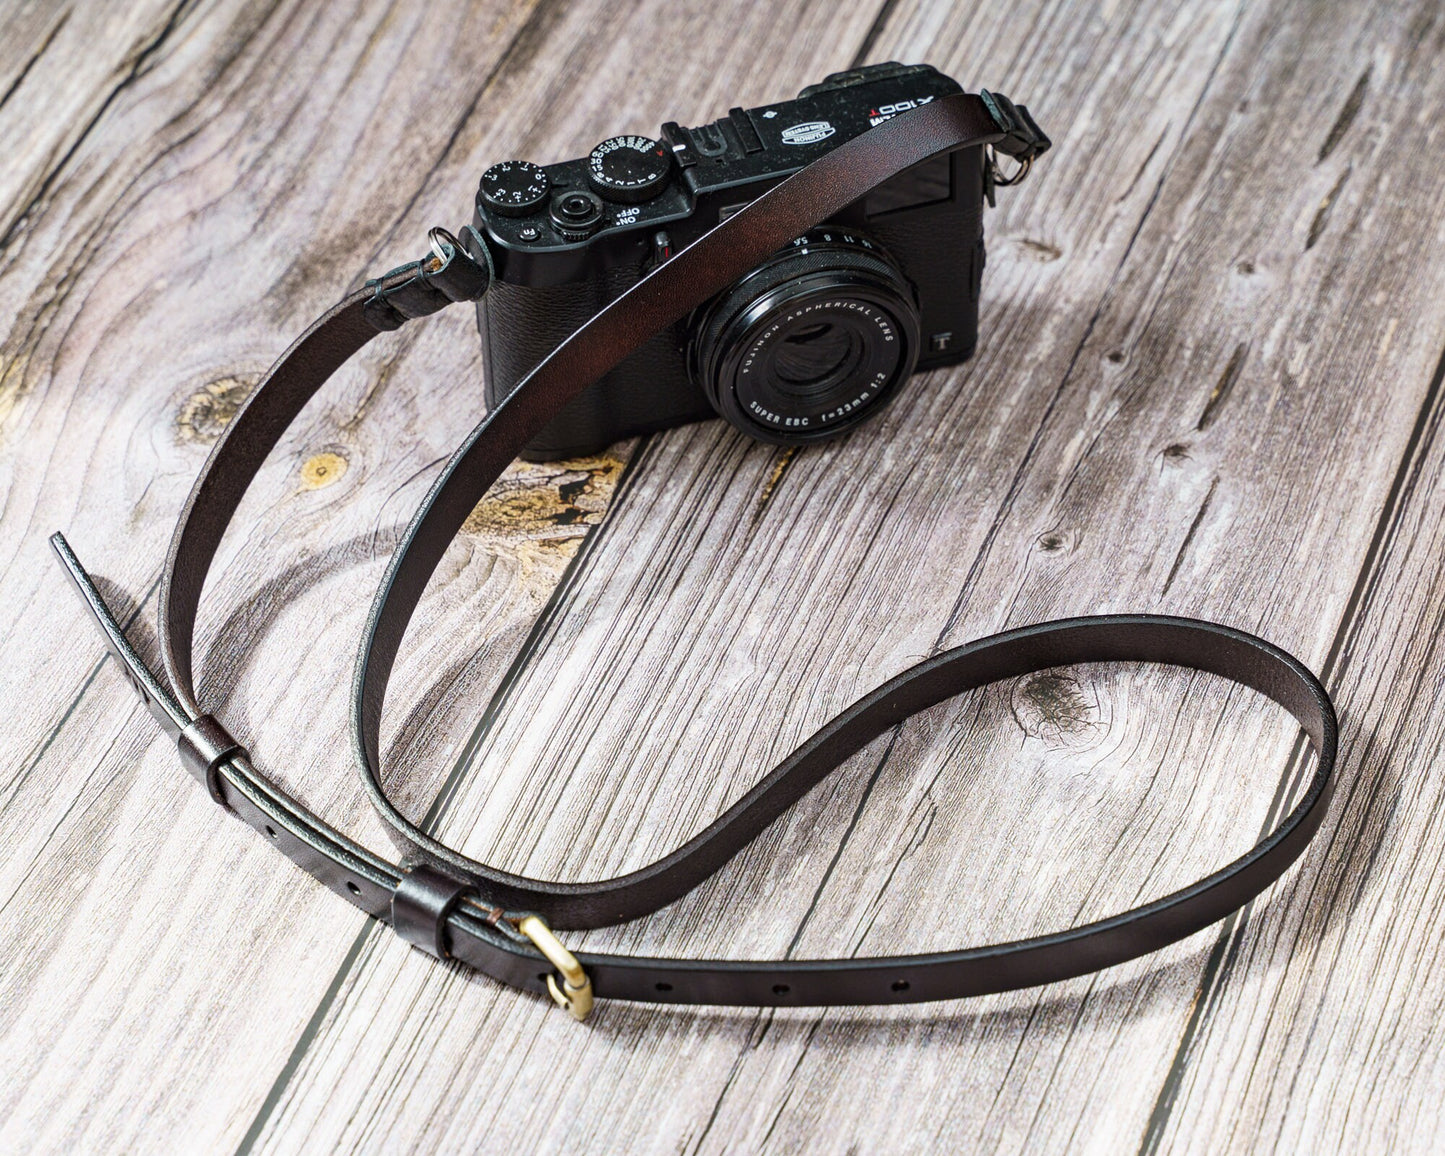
(575, 991)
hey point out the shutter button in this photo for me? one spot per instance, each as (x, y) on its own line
(576, 214)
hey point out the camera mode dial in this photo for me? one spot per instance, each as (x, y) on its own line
(514, 188)
(629, 169)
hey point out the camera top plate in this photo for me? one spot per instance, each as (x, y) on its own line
(711, 170)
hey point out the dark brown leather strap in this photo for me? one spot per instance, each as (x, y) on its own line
(451, 905)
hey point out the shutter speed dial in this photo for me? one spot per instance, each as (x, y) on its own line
(629, 169)
(514, 188)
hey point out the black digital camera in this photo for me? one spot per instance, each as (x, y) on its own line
(813, 341)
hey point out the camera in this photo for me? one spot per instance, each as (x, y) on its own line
(816, 339)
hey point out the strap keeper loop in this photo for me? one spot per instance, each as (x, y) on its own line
(204, 744)
(420, 906)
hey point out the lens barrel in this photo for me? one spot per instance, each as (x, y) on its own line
(811, 342)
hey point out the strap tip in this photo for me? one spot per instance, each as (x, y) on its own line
(64, 552)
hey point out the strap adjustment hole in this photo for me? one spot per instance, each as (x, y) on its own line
(664, 987)
(900, 985)
(270, 830)
(352, 887)
(781, 989)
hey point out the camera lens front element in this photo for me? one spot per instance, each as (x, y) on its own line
(811, 360)
(629, 169)
(576, 214)
(811, 342)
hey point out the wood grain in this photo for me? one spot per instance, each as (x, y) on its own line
(1205, 386)
(224, 201)
(1127, 425)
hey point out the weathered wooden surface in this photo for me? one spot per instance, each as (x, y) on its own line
(1207, 384)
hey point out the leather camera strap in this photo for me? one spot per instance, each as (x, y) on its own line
(498, 922)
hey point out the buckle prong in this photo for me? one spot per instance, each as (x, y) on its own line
(575, 991)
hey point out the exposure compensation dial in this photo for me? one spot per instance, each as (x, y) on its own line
(514, 188)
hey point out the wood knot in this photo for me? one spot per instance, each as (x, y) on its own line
(1054, 707)
(320, 470)
(1040, 251)
(539, 512)
(210, 409)
(13, 385)
(1055, 541)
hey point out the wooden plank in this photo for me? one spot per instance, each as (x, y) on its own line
(1247, 303)
(1335, 1046)
(226, 193)
(1324, 1025)
(61, 66)
(1189, 398)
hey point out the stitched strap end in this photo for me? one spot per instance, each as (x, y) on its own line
(1022, 138)
(452, 272)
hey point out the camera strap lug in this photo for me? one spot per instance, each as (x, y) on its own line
(993, 177)
(1022, 141)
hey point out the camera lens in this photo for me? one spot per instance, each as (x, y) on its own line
(811, 342)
